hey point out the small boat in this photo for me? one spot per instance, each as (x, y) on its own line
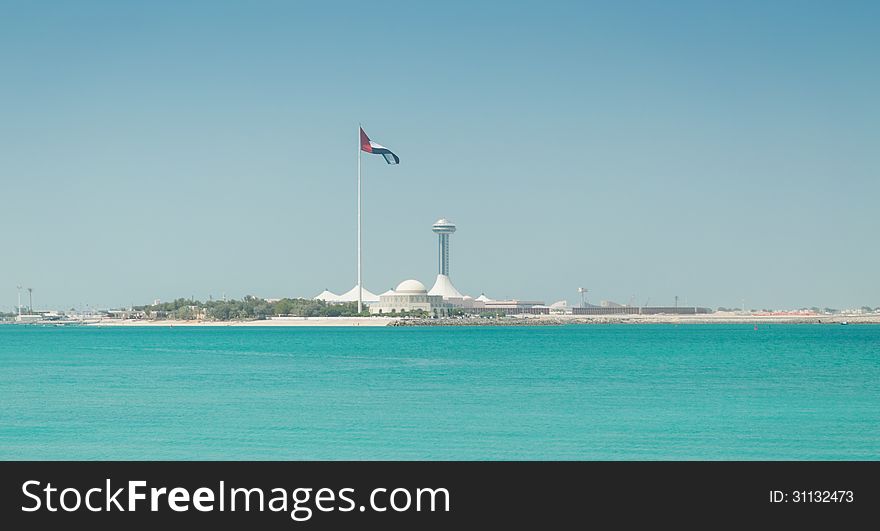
(844, 322)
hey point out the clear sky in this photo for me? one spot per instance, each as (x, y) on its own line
(717, 152)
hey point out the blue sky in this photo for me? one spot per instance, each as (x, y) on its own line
(717, 152)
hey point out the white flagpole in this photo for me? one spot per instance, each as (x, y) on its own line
(359, 283)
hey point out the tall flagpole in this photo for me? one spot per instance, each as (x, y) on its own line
(359, 284)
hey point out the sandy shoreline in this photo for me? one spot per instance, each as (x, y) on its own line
(718, 318)
(275, 322)
(532, 320)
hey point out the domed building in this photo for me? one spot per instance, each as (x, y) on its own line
(411, 295)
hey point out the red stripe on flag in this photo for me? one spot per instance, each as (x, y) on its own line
(365, 142)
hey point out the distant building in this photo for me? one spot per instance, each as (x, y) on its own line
(443, 287)
(640, 310)
(128, 314)
(515, 307)
(352, 295)
(560, 308)
(349, 296)
(408, 296)
(327, 296)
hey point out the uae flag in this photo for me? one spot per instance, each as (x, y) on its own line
(371, 147)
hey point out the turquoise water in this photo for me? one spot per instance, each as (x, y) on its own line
(576, 392)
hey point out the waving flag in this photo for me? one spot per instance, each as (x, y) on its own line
(371, 147)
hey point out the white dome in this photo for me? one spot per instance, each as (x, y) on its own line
(410, 286)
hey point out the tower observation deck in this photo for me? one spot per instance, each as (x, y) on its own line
(443, 228)
(443, 286)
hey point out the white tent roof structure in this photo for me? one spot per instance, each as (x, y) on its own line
(443, 287)
(389, 292)
(483, 298)
(327, 296)
(352, 295)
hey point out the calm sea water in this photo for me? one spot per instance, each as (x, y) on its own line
(576, 392)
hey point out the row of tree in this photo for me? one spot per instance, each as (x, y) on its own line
(257, 308)
(247, 308)
(814, 309)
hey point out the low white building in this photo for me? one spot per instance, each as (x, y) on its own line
(560, 308)
(408, 296)
(515, 307)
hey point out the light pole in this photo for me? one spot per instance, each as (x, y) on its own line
(19, 301)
